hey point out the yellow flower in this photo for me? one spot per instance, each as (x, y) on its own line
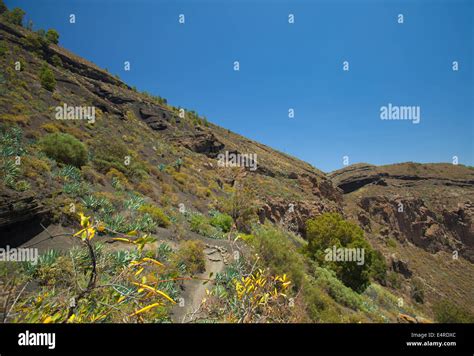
(84, 220)
(88, 231)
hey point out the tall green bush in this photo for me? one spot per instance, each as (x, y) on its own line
(47, 78)
(331, 230)
(222, 221)
(52, 36)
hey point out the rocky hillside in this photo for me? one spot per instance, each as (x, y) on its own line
(154, 133)
(421, 216)
(142, 166)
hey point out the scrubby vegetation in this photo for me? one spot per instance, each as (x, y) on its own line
(123, 286)
(240, 206)
(47, 78)
(64, 148)
(191, 255)
(448, 312)
(156, 213)
(11, 151)
(52, 36)
(222, 221)
(15, 16)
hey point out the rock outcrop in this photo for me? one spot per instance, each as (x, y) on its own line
(426, 205)
(204, 142)
(20, 215)
(354, 177)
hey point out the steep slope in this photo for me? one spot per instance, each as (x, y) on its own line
(155, 168)
(152, 133)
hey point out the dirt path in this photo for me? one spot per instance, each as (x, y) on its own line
(194, 292)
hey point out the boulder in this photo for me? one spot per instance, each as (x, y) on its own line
(205, 143)
(400, 266)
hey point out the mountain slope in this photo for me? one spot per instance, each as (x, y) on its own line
(154, 168)
(421, 214)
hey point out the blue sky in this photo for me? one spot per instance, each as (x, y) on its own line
(299, 66)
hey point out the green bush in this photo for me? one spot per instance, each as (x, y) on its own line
(320, 307)
(393, 280)
(337, 290)
(275, 249)
(110, 154)
(52, 36)
(200, 225)
(47, 78)
(379, 268)
(156, 213)
(36, 44)
(22, 185)
(57, 62)
(15, 16)
(64, 148)
(331, 230)
(222, 221)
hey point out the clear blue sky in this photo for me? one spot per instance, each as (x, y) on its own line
(296, 66)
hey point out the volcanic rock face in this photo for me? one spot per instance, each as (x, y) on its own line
(412, 220)
(292, 215)
(400, 266)
(459, 222)
(156, 118)
(105, 93)
(203, 142)
(357, 176)
(17, 212)
(427, 205)
(322, 197)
